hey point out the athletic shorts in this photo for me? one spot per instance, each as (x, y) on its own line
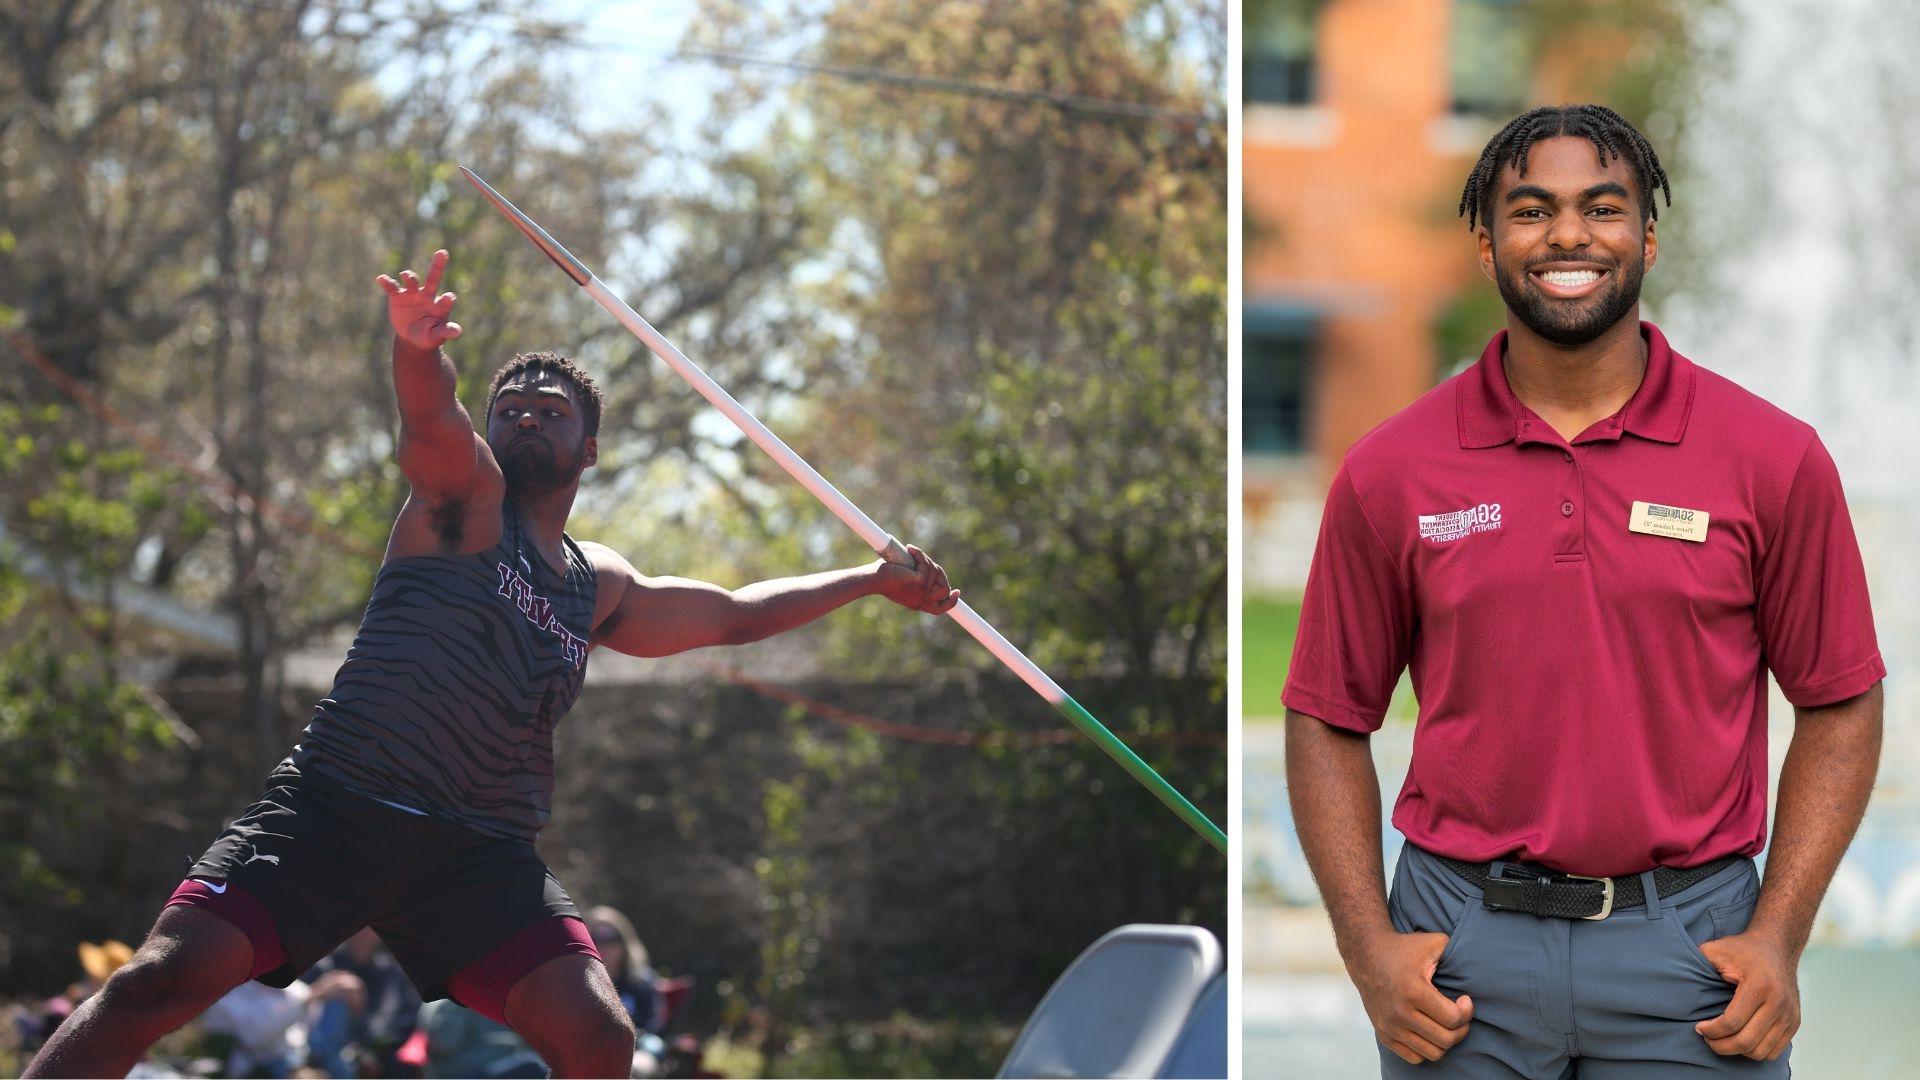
(311, 863)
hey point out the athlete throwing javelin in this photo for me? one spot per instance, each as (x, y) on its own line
(413, 798)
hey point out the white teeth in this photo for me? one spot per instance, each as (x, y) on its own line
(1570, 277)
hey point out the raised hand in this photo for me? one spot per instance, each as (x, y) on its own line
(419, 317)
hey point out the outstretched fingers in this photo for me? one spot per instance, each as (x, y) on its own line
(436, 270)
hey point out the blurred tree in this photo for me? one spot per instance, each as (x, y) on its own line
(1024, 303)
(1015, 357)
(73, 716)
(1640, 58)
(926, 291)
(190, 236)
(195, 232)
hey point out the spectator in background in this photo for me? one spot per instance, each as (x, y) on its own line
(267, 1027)
(34, 1026)
(364, 1008)
(461, 1042)
(626, 960)
(634, 980)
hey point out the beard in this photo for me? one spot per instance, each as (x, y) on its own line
(1570, 323)
(533, 467)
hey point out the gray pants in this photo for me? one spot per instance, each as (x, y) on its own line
(1558, 998)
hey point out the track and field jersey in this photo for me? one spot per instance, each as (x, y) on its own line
(463, 666)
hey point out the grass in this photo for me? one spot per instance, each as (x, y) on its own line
(1266, 645)
(899, 1046)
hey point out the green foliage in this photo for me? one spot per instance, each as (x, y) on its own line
(68, 715)
(998, 325)
(1021, 363)
(1267, 626)
(1639, 58)
(1015, 358)
(790, 942)
(901, 1045)
(1464, 327)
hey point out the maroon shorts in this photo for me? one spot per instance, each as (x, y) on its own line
(465, 915)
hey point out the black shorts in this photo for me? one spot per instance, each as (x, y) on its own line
(323, 861)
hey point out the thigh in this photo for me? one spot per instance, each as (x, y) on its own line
(1644, 984)
(193, 954)
(312, 862)
(1499, 960)
(550, 998)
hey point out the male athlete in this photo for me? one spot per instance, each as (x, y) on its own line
(1589, 552)
(413, 799)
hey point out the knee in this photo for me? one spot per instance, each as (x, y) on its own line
(616, 1029)
(152, 987)
(598, 1033)
(608, 1029)
(140, 985)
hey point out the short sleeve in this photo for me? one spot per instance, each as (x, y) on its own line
(1815, 620)
(1356, 621)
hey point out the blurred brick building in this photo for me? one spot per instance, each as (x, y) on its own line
(1361, 119)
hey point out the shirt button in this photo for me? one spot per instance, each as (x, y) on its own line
(1568, 454)
(1566, 509)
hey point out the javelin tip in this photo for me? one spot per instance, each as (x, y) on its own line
(554, 250)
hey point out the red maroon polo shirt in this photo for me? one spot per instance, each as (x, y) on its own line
(1591, 698)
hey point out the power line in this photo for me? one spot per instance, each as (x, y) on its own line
(1055, 98)
(554, 33)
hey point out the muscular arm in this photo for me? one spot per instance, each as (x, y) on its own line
(1824, 786)
(659, 616)
(439, 451)
(1335, 796)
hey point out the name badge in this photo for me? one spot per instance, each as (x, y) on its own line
(1675, 521)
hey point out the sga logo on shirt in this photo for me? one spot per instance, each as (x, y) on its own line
(1441, 528)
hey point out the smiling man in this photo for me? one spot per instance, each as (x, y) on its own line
(1589, 552)
(413, 799)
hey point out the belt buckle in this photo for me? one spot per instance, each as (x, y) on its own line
(1606, 899)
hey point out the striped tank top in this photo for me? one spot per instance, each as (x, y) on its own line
(447, 701)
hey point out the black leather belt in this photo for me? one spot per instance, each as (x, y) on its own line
(1537, 890)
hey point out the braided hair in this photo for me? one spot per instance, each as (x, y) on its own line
(584, 391)
(1608, 131)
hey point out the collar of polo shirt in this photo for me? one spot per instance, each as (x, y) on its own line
(1490, 414)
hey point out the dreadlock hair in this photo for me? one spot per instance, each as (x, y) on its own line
(584, 390)
(1608, 131)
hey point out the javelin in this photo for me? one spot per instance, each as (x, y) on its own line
(875, 537)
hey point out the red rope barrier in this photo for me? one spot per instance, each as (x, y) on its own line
(230, 494)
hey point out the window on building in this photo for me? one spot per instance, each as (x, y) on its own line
(1491, 58)
(1277, 65)
(1278, 347)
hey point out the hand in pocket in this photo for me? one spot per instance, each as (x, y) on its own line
(1765, 1011)
(1394, 975)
